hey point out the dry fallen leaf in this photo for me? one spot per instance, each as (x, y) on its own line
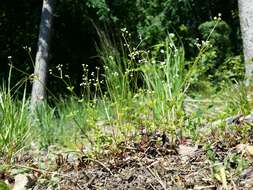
(245, 149)
(249, 150)
(241, 147)
(187, 151)
(20, 182)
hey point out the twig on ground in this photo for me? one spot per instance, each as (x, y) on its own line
(233, 183)
(100, 163)
(157, 178)
(90, 181)
(204, 168)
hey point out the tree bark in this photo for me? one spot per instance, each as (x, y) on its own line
(246, 22)
(42, 56)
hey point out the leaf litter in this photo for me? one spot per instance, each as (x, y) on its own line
(152, 161)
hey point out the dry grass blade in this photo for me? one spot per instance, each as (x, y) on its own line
(204, 187)
(157, 178)
(100, 163)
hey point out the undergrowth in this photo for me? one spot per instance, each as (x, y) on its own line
(133, 89)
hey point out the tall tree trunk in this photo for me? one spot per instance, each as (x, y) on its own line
(42, 56)
(246, 22)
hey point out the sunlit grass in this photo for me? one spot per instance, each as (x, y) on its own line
(133, 88)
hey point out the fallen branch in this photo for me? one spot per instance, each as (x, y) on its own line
(232, 120)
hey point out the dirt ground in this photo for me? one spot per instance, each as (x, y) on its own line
(152, 162)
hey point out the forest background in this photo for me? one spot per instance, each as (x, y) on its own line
(75, 39)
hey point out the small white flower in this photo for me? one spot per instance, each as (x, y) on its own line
(123, 29)
(171, 35)
(140, 37)
(116, 74)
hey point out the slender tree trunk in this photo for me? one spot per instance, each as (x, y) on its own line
(42, 56)
(246, 22)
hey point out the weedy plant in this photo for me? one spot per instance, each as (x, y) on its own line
(236, 99)
(15, 128)
(164, 81)
(150, 85)
(132, 88)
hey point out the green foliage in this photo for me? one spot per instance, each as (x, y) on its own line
(15, 125)
(237, 162)
(147, 21)
(236, 99)
(137, 74)
(44, 122)
(165, 80)
(232, 69)
(217, 32)
(117, 69)
(4, 186)
(101, 7)
(218, 64)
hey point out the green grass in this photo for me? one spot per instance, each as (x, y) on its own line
(134, 88)
(15, 124)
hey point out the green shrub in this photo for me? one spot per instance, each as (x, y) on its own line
(218, 63)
